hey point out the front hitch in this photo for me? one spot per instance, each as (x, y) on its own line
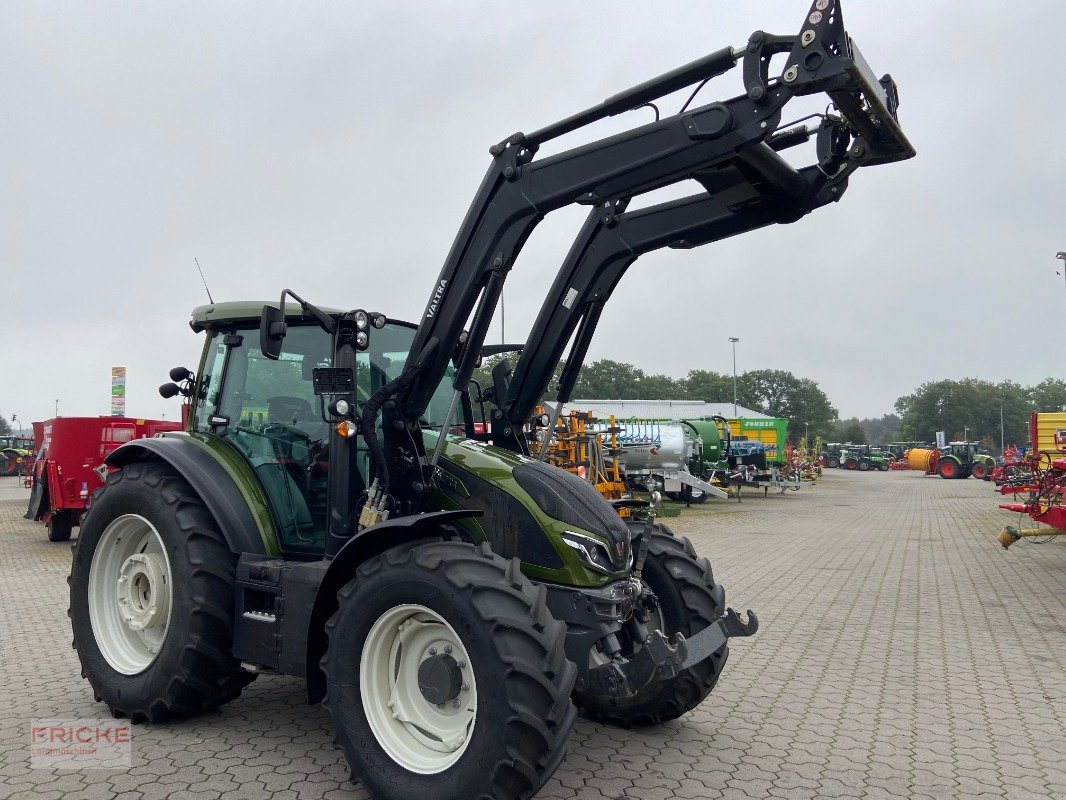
(660, 658)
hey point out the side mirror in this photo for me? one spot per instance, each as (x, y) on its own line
(271, 332)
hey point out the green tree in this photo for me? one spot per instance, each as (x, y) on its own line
(710, 387)
(5, 428)
(1049, 395)
(880, 431)
(969, 407)
(850, 430)
(781, 394)
(615, 380)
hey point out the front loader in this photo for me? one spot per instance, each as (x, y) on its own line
(451, 602)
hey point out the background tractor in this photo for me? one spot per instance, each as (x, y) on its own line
(863, 457)
(961, 460)
(329, 512)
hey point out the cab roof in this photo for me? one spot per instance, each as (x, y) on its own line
(215, 315)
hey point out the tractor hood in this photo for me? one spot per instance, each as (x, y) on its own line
(532, 510)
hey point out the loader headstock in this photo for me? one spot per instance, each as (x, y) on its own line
(824, 58)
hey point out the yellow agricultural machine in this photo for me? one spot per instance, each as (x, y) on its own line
(581, 445)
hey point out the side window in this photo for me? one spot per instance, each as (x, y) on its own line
(210, 381)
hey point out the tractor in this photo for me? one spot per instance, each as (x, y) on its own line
(329, 512)
(961, 460)
(863, 457)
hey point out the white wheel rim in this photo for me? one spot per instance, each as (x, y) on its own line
(130, 594)
(418, 735)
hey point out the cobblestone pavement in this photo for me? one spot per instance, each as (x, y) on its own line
(902, 654)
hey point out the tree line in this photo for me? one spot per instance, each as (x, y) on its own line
(771, 391)
(970, 406)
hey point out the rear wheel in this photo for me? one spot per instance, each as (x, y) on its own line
(447, 676)
(696, 496)
(864, 465)
(851, 463)
(689, 601)
(60, 525)
(833, 462)
(151, 598)
(947, 468)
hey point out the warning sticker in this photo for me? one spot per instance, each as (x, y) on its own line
(571, 296)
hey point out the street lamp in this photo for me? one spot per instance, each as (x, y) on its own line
(965, 433)
(734, 340)
(1062, 255)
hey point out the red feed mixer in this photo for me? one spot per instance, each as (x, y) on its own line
(71, 452)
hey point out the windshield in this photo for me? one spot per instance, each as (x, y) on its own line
(384, 361)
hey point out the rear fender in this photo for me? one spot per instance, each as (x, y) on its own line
(363, 546)
(211, 481)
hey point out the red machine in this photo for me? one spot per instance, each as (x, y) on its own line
(1042, 477)
(70, 461)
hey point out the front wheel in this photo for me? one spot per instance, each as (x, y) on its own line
(833, 463)
(979, 471)
(447, 676)
(947, 468)
(689, 601)
(864, 465)
(152, 598)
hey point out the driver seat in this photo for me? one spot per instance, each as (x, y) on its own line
(290, 410)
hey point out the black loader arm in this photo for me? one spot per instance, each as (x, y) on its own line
(727, 145)
(611, 240)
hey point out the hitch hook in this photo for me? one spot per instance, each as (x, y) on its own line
(735, 626)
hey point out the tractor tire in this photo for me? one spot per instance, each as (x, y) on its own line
(864, 465)
(149, 531)
(884, 466)
(689, 601)
(948, 469)
(833, 462)
(851, 463)
(60, 525)
(979, 471)
(483, 643)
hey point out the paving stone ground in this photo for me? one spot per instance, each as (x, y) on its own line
(902, 654)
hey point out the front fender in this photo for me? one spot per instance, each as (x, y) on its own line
(366, 544)
(213, 483)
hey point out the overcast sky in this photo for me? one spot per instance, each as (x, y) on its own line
(333, 148)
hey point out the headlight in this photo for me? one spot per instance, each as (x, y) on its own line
(362, 320)
(597, 553)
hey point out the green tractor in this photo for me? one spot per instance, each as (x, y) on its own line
(330, 512)
(962, 459)
(863, 457)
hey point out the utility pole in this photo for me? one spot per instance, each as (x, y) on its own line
(734, 340)
(1002, 438)
(57, 406)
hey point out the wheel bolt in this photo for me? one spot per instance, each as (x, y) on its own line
(465, 688)
(441, 706)
(462, 665)
(433, 651)
(447, 648)
(456, 704)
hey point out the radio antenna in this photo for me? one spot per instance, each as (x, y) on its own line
(209, 297)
